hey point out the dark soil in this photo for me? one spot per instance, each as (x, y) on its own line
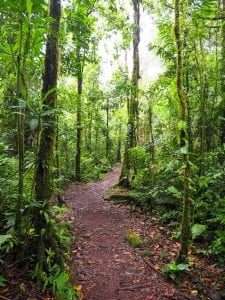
(105, 266)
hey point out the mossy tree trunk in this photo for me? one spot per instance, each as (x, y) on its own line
(185, 224)
(131, 138)
(21, 94)
(43, 172)
(107, 142)
(20, 131)
(79, 121)
(151, 136)
(223, 77)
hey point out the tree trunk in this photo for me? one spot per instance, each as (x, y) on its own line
(135, 76)
(57, 163)
(185, 224)
(43, 172)
(107, 129)
(20, 132)
(118, 152)
(131, 139)
(79, 129)
(223, 78)
(151, 137)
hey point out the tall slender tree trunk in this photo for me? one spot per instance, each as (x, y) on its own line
(135, 76)
(20, 131)
(89, 133)
(43, 172)
(151, 137)
(187, 88)
(57, 164)
(223, 78)
(107, 128)
(79, 124)
(118, 152)
(131, 139)
(185, 224)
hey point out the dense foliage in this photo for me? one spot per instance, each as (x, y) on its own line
(167, 154)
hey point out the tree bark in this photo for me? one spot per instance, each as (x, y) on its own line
(43, 172)
(107, 129)
(132, 103)
(185, 224)
(223, 77)
(151, 136)
(79, 128)
(43, 186)
(20, 132)
(135, 76)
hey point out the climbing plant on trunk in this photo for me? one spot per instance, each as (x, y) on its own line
(132, 107)
(43, 172)
(185, 224)
(223, 77)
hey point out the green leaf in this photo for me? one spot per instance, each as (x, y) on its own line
(184, 150)
(172, 267)
(3, 281)
(181, 124)
(172, 190)
(182, 267)
(29, 6)
(34, 124)
(197, 230)
(4, 238)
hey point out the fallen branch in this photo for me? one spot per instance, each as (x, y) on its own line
(149, 264)
(4, 298)
(152, 266)
(131, 287)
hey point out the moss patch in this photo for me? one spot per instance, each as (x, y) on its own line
(133, 239)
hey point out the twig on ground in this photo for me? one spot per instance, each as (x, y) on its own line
(4, 298)
(131, 287)
(152, 266)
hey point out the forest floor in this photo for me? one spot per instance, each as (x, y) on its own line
(106, 267)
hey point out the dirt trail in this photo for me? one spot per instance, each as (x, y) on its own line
(106, 266)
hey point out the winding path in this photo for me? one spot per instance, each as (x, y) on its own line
(103, 263)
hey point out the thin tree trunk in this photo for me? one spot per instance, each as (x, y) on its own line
(89, 137)
(135, 76)
(223, 78)
(57, 161)
(20, 130)
(151, 138)
(67, 152)
(79, 129)
(132, 103)
(187, 87)
(107, 128)
(185, 224)
(118, 152)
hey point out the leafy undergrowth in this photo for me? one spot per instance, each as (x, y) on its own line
(20, 286)
(19, 281)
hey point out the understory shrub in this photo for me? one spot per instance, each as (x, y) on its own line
(91, 168)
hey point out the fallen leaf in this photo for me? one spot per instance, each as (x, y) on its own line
(78, 288)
